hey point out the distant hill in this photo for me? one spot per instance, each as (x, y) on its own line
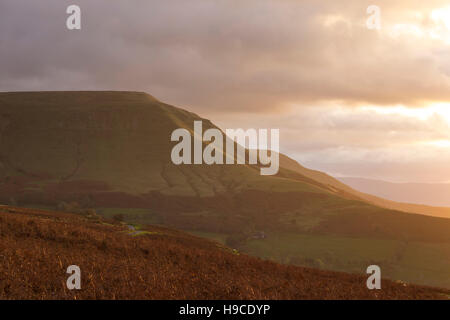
(378, 193)
(432, 194)
(158, 263)
(110, 152)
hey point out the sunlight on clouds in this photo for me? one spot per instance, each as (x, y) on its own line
(400, 29)
(439, 143)
(425, 113)
(331, 20)
(442, 109)
(434, 26)
(442, 16)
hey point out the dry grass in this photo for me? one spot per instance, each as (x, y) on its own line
(37, 246)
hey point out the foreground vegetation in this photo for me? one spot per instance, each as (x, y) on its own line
(37, 246)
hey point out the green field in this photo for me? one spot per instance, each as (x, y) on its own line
(410, 262)
(421, 263)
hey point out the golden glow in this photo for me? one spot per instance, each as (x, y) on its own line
(442, 17)
(441, 110)
(440, 143)
(418, 26)
(400, 29)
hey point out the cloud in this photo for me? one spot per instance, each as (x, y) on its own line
(307, 67)
(392, 143)
(253, 55)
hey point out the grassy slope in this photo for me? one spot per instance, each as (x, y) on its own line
(37, 246)
(412, 262)
(108, 137)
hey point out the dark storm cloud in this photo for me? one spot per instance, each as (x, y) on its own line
(216, 54)
(305, 66)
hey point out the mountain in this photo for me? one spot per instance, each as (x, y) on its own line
(109, 152)
(109, 142)
(157, 263)
(433, 194)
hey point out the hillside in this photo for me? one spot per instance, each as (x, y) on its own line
(109, 152)
(433, 194)
(158, 263)
(112, 150)
(58, 142)
(377, 194)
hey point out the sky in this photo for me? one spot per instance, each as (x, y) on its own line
(348, 100)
